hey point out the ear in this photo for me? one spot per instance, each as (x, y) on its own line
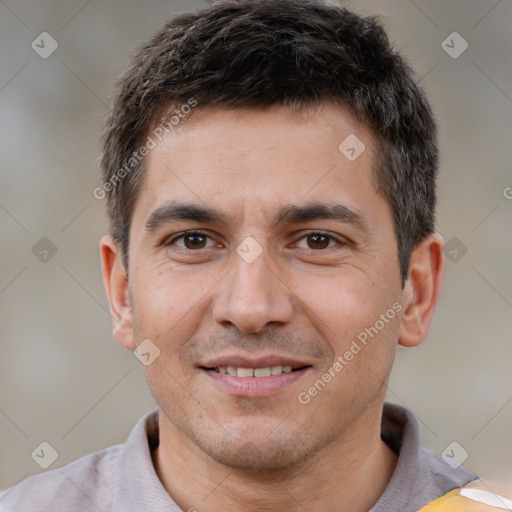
(421, 290)
(115, 281)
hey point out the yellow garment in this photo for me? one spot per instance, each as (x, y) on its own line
(453, 502)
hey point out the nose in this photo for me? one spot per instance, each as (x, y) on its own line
(252, 295)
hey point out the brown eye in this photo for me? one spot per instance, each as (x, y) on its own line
(191, 240)
(194, 241)
(319, 241)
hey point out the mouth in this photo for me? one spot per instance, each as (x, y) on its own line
(244, 377)
(266, 371)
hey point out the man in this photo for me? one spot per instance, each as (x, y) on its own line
(269, 169)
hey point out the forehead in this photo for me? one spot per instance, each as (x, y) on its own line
(263, 158)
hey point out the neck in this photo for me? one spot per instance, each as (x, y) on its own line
(350, 473)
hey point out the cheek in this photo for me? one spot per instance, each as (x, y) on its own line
(344, 304)
(357, 319)
(168, 306)
(363, 355)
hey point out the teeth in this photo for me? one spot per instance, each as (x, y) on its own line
(244, 372)
(263, 372)
(254, 372)
(276, 370)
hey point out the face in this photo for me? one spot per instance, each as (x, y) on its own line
(256, 245)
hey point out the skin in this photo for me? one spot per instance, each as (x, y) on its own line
(303, 296)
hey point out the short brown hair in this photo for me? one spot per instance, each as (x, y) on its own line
(260, 53)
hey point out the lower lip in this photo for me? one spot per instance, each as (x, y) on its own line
(254, 386)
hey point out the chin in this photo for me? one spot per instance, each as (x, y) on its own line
(249, 456)
(258, 450)
(257, 442)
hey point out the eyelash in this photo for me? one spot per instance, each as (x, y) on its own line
(200, 233)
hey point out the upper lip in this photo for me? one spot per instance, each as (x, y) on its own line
(240, 361)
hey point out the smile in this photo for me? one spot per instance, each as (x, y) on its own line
(254, 382)
(255, 372)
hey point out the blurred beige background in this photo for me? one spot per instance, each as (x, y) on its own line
(65, 381)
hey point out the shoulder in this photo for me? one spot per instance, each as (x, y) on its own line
(447, 473)
(432, 472)
(421, 476)
(442, 474)
(85, 484)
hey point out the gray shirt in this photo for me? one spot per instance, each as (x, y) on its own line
(122, 478)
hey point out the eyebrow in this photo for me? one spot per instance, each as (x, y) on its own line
(290, 213)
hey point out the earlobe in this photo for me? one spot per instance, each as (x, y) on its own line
(421, 291)
(115, 281)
